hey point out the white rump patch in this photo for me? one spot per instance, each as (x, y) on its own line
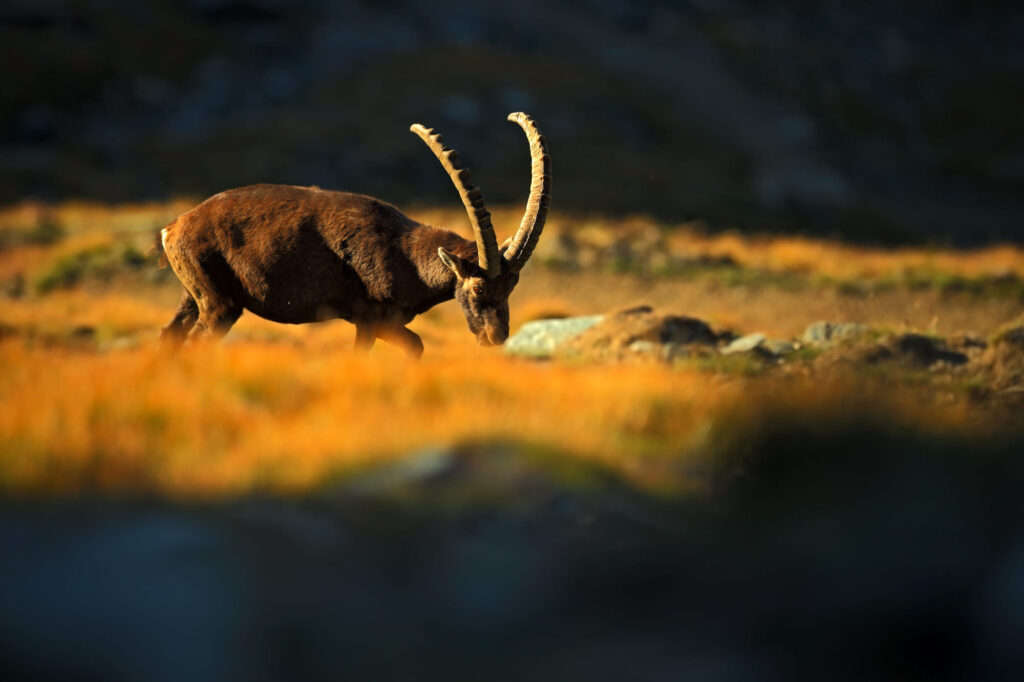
(163, 239)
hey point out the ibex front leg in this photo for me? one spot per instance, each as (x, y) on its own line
(366, 334)
(408, 340)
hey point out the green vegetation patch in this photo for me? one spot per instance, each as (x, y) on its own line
(101, 262)
(737, 364)
(1004, 285)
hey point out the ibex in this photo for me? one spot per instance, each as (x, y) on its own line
(303, 254)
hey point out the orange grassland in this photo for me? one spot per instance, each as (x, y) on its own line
(90, 402)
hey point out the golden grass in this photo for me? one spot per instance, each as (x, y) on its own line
(844, 261)
(112, 314)
(77, 217)
(226, 419)
(89, 402)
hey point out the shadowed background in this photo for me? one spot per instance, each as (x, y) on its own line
(865, 122)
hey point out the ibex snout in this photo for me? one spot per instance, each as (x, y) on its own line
(490, 325)
(492, 336)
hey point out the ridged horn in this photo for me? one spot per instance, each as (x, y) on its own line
(536, 213)
(488, 257)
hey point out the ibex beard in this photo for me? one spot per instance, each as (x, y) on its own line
(297, 254)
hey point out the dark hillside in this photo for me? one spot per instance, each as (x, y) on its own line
(871, 124)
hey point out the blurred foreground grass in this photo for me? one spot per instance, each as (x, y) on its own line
(244, 417)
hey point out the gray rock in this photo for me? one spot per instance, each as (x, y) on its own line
(779, 346)
(744, 344)
(423, 466)
(825, 332)
(674, 351)
(541, 338)
(644, 347)
(629, 331)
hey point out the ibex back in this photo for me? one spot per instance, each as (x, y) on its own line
(302, 254)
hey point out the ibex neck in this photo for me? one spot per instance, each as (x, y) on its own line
(420, 245)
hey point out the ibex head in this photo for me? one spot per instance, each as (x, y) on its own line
(482, 288)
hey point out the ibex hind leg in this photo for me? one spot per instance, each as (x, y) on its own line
(209, 288)
(215, 320)
(179, 327)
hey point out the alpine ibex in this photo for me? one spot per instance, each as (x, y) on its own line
(302, 254)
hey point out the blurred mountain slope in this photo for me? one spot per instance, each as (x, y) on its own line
(873, 124)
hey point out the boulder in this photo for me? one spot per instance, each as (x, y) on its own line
(780, 346)
(541, 338)
(641, 329)
(745, 344)
(644, 347)
(823, 332)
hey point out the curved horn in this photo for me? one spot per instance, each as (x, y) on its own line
(488, 257)
(532, 225)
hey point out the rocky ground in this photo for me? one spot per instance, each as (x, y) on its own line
(985, 368)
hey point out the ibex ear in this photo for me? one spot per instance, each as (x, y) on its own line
(453, 263)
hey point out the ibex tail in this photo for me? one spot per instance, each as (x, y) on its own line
(158, 247)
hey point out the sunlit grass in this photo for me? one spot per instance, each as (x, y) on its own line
(227, 418)
(60, 314)
(844, 261)
(88, 401)
(78, 217)
(231, 418)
